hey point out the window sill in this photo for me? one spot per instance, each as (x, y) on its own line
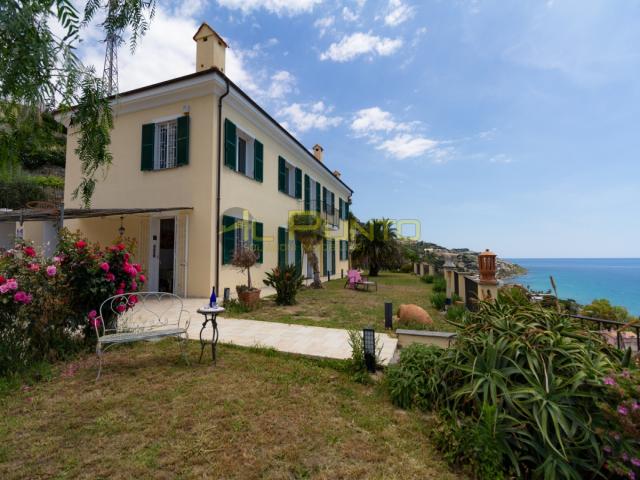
(244, 175)
(165, 169)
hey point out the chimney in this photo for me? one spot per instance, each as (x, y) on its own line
(317, 152)
(336, 173)
(210, 50)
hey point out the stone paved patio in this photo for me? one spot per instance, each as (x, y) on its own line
(317, 342)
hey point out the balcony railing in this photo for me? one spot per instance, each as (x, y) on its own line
(330, 215)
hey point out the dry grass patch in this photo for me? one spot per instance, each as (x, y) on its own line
(257, 414)
(337, 307)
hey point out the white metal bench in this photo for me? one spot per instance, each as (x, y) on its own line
(143, 316)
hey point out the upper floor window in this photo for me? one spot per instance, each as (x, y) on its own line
(165, 144)
(242, 153)
(165, 148)
(289, 179)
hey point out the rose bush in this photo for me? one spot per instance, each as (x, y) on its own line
(48, 306)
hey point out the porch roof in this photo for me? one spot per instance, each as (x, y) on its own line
(52, 214)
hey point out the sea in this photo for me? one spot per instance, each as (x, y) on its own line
(585, 279)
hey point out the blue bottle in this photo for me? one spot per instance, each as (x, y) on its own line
(213, 299)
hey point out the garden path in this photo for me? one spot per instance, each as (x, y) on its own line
(317, 342)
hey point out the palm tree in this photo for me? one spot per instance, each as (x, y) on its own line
(376, 245)
(309, 230)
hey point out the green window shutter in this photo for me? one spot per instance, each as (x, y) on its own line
(340, 208)
(317, 197)
(148, 146)
(341, 250)
(282, 175)
(324, 199)
(230, 144)
(228, 239)
(258, 160)
(298, 183)
(298, 257)
(333, 202)
(282, 247)
(333, 255)
(182, 141)
(257, 241)
(346, 249)
(346, 210)
(307, 193)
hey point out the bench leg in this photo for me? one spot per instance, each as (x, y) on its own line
(183, 347)
(99, 353)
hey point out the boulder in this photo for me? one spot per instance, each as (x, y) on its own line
(409, 313)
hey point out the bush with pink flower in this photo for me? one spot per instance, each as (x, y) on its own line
(621, 432)
(49, 306)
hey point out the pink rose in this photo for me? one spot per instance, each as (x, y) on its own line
(138, 267)
(95, 322)
(110, 277)
(622, 410)
(134, 285)
(12, 284)
(120, 291)
(142, 278)
(57, 259)
(51, 270)
(104, 266)
(4, 288)
(120, 308)
(34, 267)
(120, 246)
(92, 314)
(133, 299)
(22, 297)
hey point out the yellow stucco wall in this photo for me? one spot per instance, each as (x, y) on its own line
(126, 186)
(194, 185)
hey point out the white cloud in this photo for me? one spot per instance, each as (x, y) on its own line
(398, 12)
(323, 25)
(400, 140)
(358, 44)
(282, 83)
(349, 15)
(501, 158)
(304, 117)
(407, 145)
(279, 7)
(372, 119)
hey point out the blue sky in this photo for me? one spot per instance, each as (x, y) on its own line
(496, 124)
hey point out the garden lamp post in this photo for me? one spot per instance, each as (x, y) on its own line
(369, 343)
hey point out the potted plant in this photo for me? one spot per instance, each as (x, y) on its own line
(245, 258)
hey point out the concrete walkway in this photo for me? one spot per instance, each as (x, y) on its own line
(316, 342)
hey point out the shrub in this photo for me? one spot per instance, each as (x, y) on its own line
(455, 312)
(244, 259)
(47, 302)
(543, 373)
(438, 300)
(406, 268)
(287, 281)
(439, 284)
(427, 278)
(602, 308)
(417, 379)
(357, 364)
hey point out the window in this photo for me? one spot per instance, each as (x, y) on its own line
(238, 233)
(243, 235)
(289, 179)
(242, 153)
(165, 152)
(165, 144)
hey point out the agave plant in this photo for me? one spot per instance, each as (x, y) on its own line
(544, 375)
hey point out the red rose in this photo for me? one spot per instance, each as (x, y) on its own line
(120, 246)
(81, 244)
(1, 279)
(29, 251)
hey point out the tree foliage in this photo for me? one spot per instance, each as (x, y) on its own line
(377, 245)
(309, 229)
(40, 71)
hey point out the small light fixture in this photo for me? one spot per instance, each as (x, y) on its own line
(369, 341)
(121, 229)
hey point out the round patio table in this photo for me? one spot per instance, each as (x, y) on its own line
(210, 315)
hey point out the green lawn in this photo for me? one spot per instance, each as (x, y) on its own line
(258, 414)
(337, 307)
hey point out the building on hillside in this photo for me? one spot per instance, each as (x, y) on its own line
(200, 169)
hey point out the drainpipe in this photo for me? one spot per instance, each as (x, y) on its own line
(219, 167)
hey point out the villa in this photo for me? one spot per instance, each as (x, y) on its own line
(200, 169)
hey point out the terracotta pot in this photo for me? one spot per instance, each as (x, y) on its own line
(249, 298)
